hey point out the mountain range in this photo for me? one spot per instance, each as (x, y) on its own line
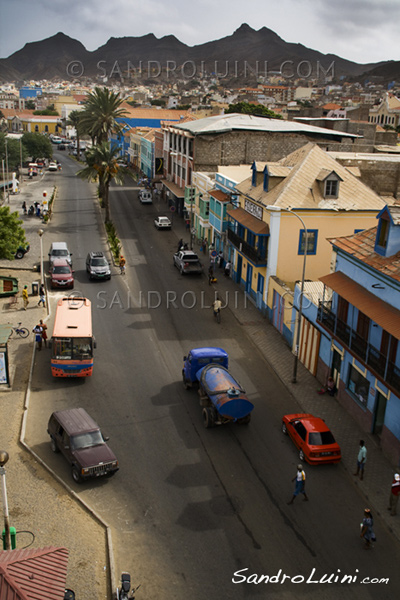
(238, 56)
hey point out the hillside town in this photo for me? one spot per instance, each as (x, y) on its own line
(290, 196)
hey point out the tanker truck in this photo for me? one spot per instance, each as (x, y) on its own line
(222, 398)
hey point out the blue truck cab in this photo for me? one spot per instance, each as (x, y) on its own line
(197, 359)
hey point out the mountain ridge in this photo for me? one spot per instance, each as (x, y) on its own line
(244, 48)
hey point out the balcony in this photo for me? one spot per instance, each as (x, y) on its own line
(360, 348)
(249, 251)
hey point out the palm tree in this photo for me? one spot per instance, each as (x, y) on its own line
(102, 166)
(74, 120)
(99, 117)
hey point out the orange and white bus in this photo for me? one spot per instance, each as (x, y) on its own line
(72, 341)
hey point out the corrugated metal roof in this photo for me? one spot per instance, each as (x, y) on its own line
(247, 220)
(236, 121)
(35, 574)
(220, 195)
(376, 309)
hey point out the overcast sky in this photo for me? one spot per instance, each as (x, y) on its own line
(363, 31)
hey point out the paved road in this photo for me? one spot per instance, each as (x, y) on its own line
(191, 506)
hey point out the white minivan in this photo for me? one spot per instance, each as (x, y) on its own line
(59, 250)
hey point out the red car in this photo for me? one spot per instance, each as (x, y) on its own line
(61, 274)
(313, 438)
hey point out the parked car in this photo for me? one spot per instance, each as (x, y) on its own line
(97, 266)
(162, 223)
(53, 166)
(21, 251)
(61, 274)
(312, 437)
(77, 436)
(145, 197)
(187, 262)
(59, 250)
(61, 147)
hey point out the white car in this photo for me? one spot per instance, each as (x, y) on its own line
(53, 166)
(162, 223)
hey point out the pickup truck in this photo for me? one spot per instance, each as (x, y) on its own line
(187, 262)
(222, 398)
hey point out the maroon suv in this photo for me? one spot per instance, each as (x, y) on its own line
(61, 274)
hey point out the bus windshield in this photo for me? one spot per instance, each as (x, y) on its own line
(72, 348)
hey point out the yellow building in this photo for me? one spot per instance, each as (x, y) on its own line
(304, 198)
(25, 121)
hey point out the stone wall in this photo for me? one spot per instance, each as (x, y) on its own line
(381, 176)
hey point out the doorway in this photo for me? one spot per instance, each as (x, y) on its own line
(379, 413)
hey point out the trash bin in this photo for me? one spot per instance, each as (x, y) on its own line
(35, 288)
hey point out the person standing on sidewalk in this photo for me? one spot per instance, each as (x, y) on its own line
(37, 330)
(300, 478)
(44, 332)
(394, 495)
(25, 297)
(42, 296)
(361, 460)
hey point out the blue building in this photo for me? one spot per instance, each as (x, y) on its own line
(30, 93)
(359, 320)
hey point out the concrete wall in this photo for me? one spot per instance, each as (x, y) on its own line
(381, 176)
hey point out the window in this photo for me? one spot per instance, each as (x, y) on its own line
(301, 430)
(312, 236)
(331, 188)
(383, 233)
(358, 386)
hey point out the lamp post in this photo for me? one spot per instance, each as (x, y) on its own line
(300, 312)
(40, 234)
(7, 536)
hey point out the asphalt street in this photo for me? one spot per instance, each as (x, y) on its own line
(190, 507)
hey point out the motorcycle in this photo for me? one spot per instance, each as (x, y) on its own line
(123, 591)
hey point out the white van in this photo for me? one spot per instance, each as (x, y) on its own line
(145, 197)
(59, 250)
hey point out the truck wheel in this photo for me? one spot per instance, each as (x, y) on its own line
(54, 446)
(245, 420)
(186, 384)
(76, 476)
(208, 417)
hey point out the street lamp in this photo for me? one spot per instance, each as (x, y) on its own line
(40, 234)
(296, 353)
(7, 536)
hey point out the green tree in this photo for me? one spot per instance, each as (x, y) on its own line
(46, 112)
(74, 120)
(14, 152)
(30, 105)
(258, 110)
(102, 166)
(12, 234)
(99, 117)
(37, 145)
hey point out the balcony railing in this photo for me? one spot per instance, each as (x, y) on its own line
(365, 352)
(249, 251)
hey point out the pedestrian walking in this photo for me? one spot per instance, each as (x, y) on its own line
(122, 263)
(361, 460)
(42, 296)
(37, 330)
(44, 332)
(367, 528)
(227, 269)
(394, 495)
(25, 297)
(300, 479)
(24, 207)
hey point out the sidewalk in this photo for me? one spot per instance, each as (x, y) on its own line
(379, 472)
(38, 502)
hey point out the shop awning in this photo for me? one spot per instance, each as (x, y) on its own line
(373, 307)
(247, 220)
(173, 188)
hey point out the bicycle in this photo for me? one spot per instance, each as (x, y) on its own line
(21, 331)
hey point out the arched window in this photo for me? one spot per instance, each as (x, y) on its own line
(46, 128)
(36, 128)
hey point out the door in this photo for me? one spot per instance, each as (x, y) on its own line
(260, 291)
(277, 311)
(336, 366)
(249, 277)
(379, 413)
(239, 269)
